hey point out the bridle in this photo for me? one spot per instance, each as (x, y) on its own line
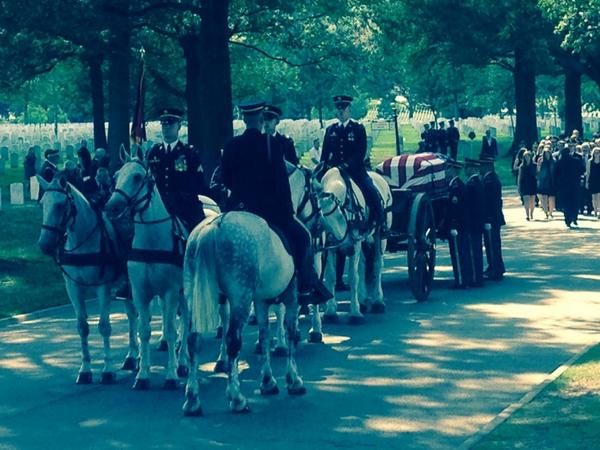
(337, 205)
(137, 205)
(68, 216)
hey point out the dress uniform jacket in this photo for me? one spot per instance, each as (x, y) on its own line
(258, 183)
(287, 145)
(179, 179)
(346, 145)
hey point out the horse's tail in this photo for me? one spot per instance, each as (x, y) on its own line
(200, 278)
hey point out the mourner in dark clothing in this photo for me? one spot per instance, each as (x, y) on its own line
(345, 146)
(272, 116)
(431, 138)
(494, 220)
(489, 146)
(29, 164)
(86, 170)
(49, 167)
(100, 189)
(100, 160)
(442, 138)
(453, 136)
(567, 174)
(253, 169)
(177, 171)
(475, 223)
(455, 225)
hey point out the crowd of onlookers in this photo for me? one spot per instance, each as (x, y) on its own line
(560, 173)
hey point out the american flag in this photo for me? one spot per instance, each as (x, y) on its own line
(419, 172)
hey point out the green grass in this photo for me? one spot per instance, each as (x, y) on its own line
(565, 415)
(29, 280)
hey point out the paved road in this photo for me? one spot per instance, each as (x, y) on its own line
(421, 376)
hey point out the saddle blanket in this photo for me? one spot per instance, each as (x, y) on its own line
(419, 172)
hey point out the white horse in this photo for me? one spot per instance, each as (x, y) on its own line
(344, 212)
(238, 256)
(83, 242)
(154, 266)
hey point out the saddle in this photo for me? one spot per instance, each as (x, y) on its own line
(358, 215)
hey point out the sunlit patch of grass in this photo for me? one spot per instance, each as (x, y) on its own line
(565, 415)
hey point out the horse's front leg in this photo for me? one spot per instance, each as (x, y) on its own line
(239, 314)
(142, 303)
(131, 360)
(378, 264)
(104, 327)
(75, 293)
(330, 315)
(356, 316)
(223, 364)
(268, 384)
(295, 385)
(315, 332)
(171, 303)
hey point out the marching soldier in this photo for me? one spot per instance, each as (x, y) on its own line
(177, 170)
(345, 146)
(456, 223)
(475, 222)
(272, 116)
(253, 169)
(494, 220)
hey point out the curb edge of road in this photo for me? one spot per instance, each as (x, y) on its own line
(507, 412)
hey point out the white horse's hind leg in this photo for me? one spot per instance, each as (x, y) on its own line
(130, 362)
(282, 345)
(76, 296)
(223, 364)
(184, 326)
(268, 384)
(377, 292)
(295, 385)
(239, 315)
(108, 372)
(192, 405)
(171, 303)
(162, 341)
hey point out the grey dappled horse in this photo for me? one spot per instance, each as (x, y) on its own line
(154, 265)
(237, 256)
(83, 242)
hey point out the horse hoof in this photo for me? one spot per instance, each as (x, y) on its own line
(252, 320)
(331, 318)
(280, 352)
(357, 320)
(219, 334)
(315, 337)
(258, 349)
(170, 385)
(301, 390)
(378, 308)
(273, 390)
(162, 346)
(363, 308)
(188, 411)
(221, 367)
(108, 378)
(130, 363)
(242, 408)
(141, 384)
(84, 378)
(183, 371)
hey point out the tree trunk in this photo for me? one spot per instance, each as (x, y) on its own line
(573, 119)
(524, 79)
(118, 89)
(97, 89)
(208, 84)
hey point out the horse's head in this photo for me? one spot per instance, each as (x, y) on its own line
(134, 186)
(58, 212)
(331, 194)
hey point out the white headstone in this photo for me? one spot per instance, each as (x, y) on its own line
(16, 194)
(34, 188)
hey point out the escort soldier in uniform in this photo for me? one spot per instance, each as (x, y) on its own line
(442, 138)
(253, 169)
(475, 223)
(453, 139)
(177, 172)
(455, 227)
(345, 146)
(494, 220)
(272, 115)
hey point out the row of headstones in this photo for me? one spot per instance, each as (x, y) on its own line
(17, 192)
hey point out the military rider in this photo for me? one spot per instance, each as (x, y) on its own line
(254, 171)
(272, 115)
